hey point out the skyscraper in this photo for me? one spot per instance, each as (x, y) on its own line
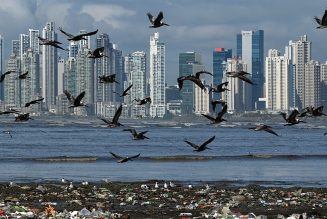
(220, 56)
(11, 84)
(49, 67)
(250, 48)
(189, 63)
(34, 40)
(323, 84)
(277, 81)
(157, 77)
(15, 47)
(24, 44)
(312, 84)
(1, 66)
(300, 53)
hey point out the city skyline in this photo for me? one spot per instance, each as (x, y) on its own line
(127, 24)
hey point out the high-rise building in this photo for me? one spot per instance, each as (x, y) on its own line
(1, 65)
(34, 40)
(323, 84)
(15, 47)
(239, 97)
(136, 67)
(24, 44)
(189, 63)
(61, 72)
(220, 56)
(11, 84)
(311, 84)
(116, 67)
(300, 53)
(73, 49)
(49, 76)
(157, 77)
(201, 100)
(277, 81)
(250, 48)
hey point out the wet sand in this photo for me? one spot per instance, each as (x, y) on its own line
(143, 200)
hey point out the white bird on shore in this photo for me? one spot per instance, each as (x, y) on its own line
(144, 187)
(71, 186)
(190, 186)
(207, 187)
(106, 180)
(85, 183)
(63, 180)
(165, 186)
(171, 184)
(156, 185)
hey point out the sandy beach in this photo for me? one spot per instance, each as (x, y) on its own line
(144, 200)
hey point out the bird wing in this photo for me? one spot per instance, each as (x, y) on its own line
(98, 52)
(243, 78)
(220, 86)
(192, 144)
(135, 156)
(41, 99)
(142, 133)
(197, 75)
(271, 131)
(27, 104)
(69, 96)
(150, 16)
(293, 114)
(207, 142)
(79, 98)
(87, 34)
(208, 117)
(115, 155)
(283, 115)
(180, 81)
(117, 114)
(57, 46)
(317, 20)
(158, 18)
(23, 75)
(105, 120)
(222, 112)
(67, 34)
(196, 81)
(127, 89)
(2, 77)
(324, 18)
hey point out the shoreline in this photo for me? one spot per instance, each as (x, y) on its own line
(144, 200)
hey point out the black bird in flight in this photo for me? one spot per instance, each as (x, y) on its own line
(264, 128)
(194, 78)
(53, 43)
(215, 102)
(78, 37)
(76, 102)
(23, 76)
(137, 136)
(323, 21)
(316, 111)
(4, 75)
(219, 88)
(23, 117)
(34, 102)
(292, 118)
(241, 75)
(143, 101)
(219, 117)
(8, 111)
(156, 22)
(114, 123)
(108, 79)
(124, 159)
(97, 53)
(125, 91)
(201, 147)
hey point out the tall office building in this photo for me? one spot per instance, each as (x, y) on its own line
(15, 47)
(239, 97)
(323, 84)
(136, 70)
(220, 56)
(11, 84)
(30, 87)
(250, 48)
(277, 81)
(201, 100)
(311, 84)
(61, 72)
(34, 40)
(70, 76)
(49, 76)
(24, 44)
(157, 77)
(1, 65)
(300, 53)
(189, 63)
(73, 49)
(116, 67)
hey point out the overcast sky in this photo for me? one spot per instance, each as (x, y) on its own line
(196, 25)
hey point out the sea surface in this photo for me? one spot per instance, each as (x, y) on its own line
(48, 150)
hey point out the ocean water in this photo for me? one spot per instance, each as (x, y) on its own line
(50, 150)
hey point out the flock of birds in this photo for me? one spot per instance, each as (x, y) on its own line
(291, 119)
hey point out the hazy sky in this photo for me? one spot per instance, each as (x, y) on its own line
(196, 25)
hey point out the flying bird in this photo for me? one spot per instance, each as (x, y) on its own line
(241, 75)
(108, 79)
(137, 136)
(125, 91)
(264, 128)
(316, 111)
(23, 76)
(323, 21)
(78, 37)
(76, 102)
(292, 118)
(219, 88)
(143, 101)
(156, 22)
(194, 78)
(34, 102)
(8, 111)
(114, 122)
(53, 43)
(201, 147)
(97, 53)
(215, 102)
(23, 117)
(219, 117)
(4, 75)
(123, 159)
